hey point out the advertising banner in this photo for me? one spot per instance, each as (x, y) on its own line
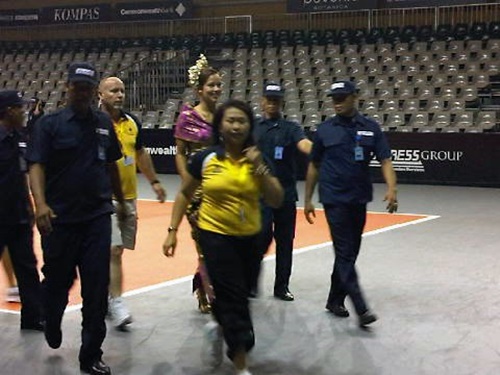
(160, 144)
(444, 158)
(76, 14)
(165, 10)
(20, 17)
(418, 158)
(427, 3)
(300, 6)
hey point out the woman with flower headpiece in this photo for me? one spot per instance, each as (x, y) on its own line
(193, 132)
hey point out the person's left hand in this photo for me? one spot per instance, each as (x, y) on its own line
(392, 200)
(160, 192)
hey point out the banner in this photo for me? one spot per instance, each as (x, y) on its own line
(300, 6)
(427, 3)
(20, 17)
(76, 14)
(418, 158)
(444, 158)
(165, 10)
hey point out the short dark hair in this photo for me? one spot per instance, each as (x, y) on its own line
(219, 114)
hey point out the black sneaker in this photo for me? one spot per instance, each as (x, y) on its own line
(97, 367)
(366, 319)
(338, 310)
(53, 335)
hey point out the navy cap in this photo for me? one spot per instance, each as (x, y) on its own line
(11, 98)
(82, 72)
(342, 88)
(273, 89)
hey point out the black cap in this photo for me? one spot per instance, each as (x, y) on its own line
(82, 72)
(342, 88)
(11, 98)
(273, 89)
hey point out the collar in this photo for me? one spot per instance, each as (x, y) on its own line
(69, 114)
(357, 119)
(272, 121)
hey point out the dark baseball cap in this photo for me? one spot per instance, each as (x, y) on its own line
(11, 98)
(82, 72)
(273, 89)
(342, 88)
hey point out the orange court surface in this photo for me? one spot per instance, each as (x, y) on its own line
(147, 266)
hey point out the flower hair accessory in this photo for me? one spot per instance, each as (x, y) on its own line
(195, 70)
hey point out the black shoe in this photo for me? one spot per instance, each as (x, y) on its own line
(338, 310)
(96, 368)
(366, 319)
(286, 295)
(53, 336)
(33, 326)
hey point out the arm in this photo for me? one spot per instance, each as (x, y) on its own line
(181, 158)
(304, 146)
(311, 181)
(44, 213)
(391, 182)
(272, 191)
(182, 199)
(116, 186)
(146, 166)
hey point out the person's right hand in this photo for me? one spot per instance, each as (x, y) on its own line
(170, 244)
(309, 212)
(43, 219)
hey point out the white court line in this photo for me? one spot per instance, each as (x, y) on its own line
(266, 259)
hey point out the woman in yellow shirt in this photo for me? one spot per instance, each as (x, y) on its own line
(233, 177)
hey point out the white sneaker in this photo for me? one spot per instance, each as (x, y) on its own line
(243, 372)
(13, 295)
(211, 354)
(119, 312)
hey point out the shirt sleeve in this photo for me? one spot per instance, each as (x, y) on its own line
(114, 152)
(40, 141)
(297, 133)
(138, 140)
(382, 149)
(195, 164)
(318, 148)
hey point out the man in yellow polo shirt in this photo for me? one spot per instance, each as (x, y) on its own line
(124, 229)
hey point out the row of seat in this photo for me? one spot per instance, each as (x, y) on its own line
(270, 38)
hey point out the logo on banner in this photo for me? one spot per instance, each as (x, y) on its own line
(76, 14)
(413, 160)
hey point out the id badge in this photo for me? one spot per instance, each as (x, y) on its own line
(358, 153)
(128, 160)
(278, 153)
(101, 153)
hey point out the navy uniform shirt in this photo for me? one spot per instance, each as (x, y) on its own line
(277, 139)
(75, 152)
(13, 187)
(342, 179)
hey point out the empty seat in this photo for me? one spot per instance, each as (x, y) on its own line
(463, 120)
(486, 120)
(441, 120)
(419, 120)
(395, 120)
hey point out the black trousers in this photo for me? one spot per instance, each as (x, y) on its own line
(280, 224)
(228, 260)
(85, 246)
(19, 240)
(346, 222)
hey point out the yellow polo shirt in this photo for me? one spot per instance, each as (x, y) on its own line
(230, 202)
(128, 131)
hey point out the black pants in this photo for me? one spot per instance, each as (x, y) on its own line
(346, 222)
(228, 260)
(280, 224)
(19, 240)
(85, 245)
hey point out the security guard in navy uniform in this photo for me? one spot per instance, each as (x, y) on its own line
(340, 158)
(72, 154)
(16, 211)
(279, 140)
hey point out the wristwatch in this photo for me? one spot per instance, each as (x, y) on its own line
(172, 229)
